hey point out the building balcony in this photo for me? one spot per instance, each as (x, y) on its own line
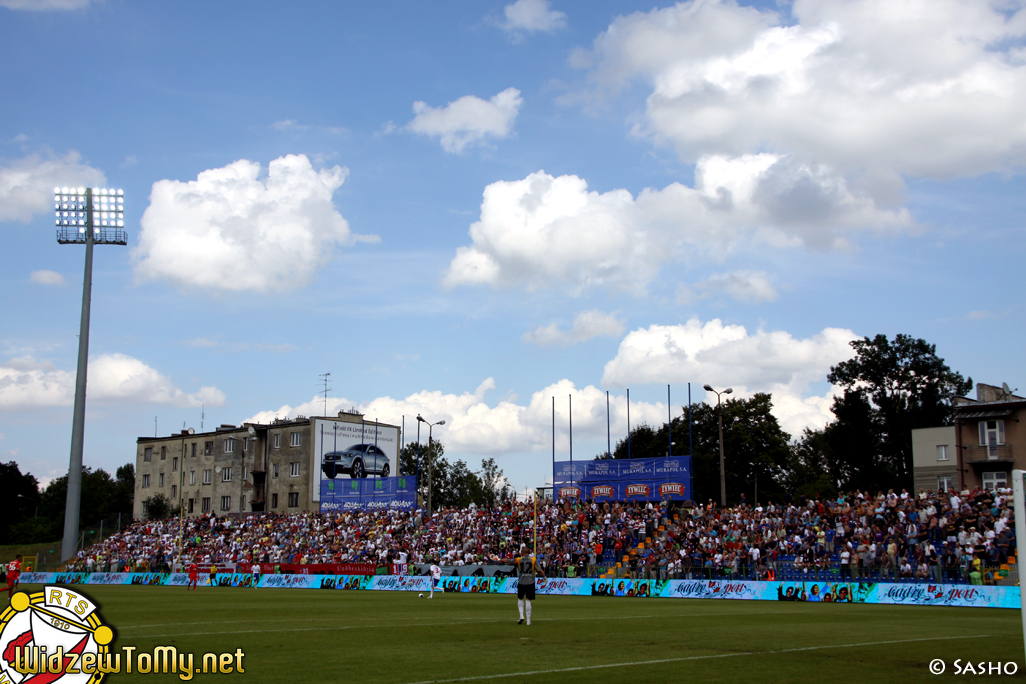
(996, 454)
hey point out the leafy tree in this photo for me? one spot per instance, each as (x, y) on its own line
(890, 388)
(102, 497)
(19, 497)
(755, 448)
(493, 482)
(158, 507)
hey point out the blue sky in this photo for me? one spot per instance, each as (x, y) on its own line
(462, 210)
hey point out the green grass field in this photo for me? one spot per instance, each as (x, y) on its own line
(295, 635)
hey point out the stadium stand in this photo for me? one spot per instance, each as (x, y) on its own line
(944, 538)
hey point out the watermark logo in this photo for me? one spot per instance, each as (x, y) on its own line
(56, 631)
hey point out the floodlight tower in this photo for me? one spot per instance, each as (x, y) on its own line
(85, 216)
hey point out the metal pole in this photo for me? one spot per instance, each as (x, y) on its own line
(418, 453)
(402, 445)
(431, 466)
(571, 412)
(628, 423)
(609, 443)
(553, 446)
(691, 448)
(74, 500)
(669, 426)
(723, 468)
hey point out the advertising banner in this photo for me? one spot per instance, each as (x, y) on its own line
(344, 450)
(642, 479)
(959, 595)
(343, 494)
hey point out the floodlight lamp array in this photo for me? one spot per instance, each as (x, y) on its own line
(73, 207)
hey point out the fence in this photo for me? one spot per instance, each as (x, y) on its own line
(48, 558)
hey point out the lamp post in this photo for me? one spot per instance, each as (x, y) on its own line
(85, 216)
(723, 469)
(431, 458)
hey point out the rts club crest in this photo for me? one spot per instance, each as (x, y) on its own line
(53, 635)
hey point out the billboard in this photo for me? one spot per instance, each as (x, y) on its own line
(344, 450)
(645, 479)
(345, 493)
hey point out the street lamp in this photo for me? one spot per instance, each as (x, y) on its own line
(723, 469)
(431, 458)
(85, 216)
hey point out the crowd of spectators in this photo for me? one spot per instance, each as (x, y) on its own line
(945, 537)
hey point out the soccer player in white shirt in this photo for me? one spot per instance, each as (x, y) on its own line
(436, 577)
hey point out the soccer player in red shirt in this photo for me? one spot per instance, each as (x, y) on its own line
(193, 577)
(13, 573)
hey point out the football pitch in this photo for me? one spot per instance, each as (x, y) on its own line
(293, 635)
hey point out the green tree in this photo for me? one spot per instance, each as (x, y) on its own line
(102, 497)
(158, 507)
(19, 498)
(890, 388)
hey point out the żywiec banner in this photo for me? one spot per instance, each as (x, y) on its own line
(925, 594)
(642, 479)
(368, 493)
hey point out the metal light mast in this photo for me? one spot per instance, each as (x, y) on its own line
(85, 216)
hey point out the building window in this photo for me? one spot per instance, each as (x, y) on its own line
(274, 500)
(174, 491)
(294, 469)
(174, 464)
(274, 470)
(943, 484)
(163, 453)
(229, 445)
(942, 453)
(208, 448)
(194, 449)
(208, 476)
(294, 439)
(277, 441)
(206, 504)
(992, 435)
(293, 499)
(146, 481)
(226, 475)
(148, 454)
(192, 506)
(226, 503)
(192, 477)
(992, 481)
(242, 503)
(162, 479)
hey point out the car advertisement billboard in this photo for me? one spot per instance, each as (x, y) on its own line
(346, 450)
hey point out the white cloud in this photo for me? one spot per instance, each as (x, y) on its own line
(468, 120)
(472, 426)
(26, 383)
(26, 184)
(930, 88)
(39, 5)
(543, 230)
(47, 278)
(729, 356)
(232, 229)
(532, 15)
(587, 324)
(744, 286)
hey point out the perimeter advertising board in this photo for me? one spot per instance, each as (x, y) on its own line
(643, 479)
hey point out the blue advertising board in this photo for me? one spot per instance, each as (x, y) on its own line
(368, 493)
(643, 479)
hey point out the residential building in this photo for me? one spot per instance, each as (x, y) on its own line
(237, 469)
(990, 437)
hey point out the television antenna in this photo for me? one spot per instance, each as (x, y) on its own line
(324, 379)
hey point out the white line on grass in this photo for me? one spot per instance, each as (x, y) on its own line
(680, 660)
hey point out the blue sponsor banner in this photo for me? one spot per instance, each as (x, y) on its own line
(368, 493)
(644, 479)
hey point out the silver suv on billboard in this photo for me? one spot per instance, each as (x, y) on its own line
(357, 461)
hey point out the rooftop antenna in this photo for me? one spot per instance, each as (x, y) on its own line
(324, 378)
(154, 426)
(203, 415)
